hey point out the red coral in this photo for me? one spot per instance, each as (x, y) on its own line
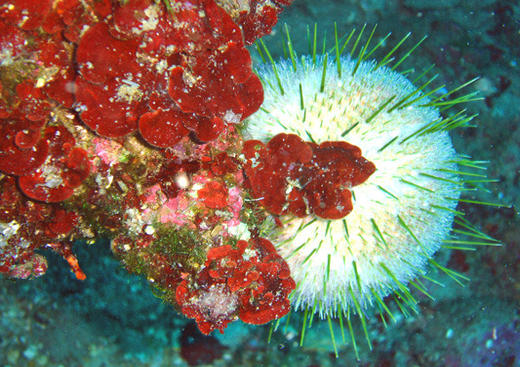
(222, 164)
(216, 80)
(163, 128)
(56, 53)
(125, 73)
(337, 166)
(265, 297)
(26, 107)
(52, 78)
(12, 41)
(212, 307)
(206, 89)
(62, 223)
(66, 168)
(260, 18)
(214, 195)
(26, 14)
(68, 16)
(270, 166)
(21, 148)
(128, 19)
(251, 278)
(292, 176)
(102, 57)
(131, 67)
(109, 100)
(72, 17)
(103, 112)
(205, 129)
(171, 176)
(27, 226)
(32, 104)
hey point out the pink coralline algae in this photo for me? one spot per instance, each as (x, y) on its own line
(118, 119)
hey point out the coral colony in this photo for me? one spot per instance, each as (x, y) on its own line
(135, 120)
(119, 120)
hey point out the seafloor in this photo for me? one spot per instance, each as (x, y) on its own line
(112, 318)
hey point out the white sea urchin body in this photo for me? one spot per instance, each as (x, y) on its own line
(402, 213)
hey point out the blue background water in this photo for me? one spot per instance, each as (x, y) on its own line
(113, 319)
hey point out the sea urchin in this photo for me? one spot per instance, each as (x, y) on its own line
(404, 212)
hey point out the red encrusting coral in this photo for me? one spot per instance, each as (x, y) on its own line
(214, 195)
(171, 174)
(291, 176)
(26, 14)
(215, 79)
(163, 128)
(110, 110)
(145, 70)
(65, 169)
(21, 148)
(256, 18)
(249, 281)
(62, 223)
(28, 225)
(32, 104)
(222, 164)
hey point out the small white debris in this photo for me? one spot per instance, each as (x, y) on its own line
(40, 82)
(232, 118)
(151, 20)
(7, 230)
(216, 303)
(240, 231)
(149, 229)
(52, 176)
(182, 180)
(161, 66)
(129, 91)
(133, 221)
(249, 253)
(71, 87)
(6, 57)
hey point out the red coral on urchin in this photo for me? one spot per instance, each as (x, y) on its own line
(289, 175)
